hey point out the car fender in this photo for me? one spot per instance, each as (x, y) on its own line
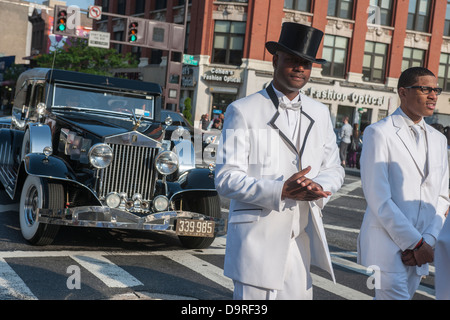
(38, 164)
(53, 168)
(38, 137)
(198, 180)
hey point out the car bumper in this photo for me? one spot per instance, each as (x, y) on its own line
(105, 217)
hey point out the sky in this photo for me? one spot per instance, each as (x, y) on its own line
(83, 4)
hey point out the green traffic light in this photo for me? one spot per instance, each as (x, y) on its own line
(62, 27)
(133, 38)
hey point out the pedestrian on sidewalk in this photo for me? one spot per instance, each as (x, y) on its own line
(278, 162)
(404, 174)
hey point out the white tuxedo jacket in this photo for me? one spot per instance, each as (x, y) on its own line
(254, 158)
(402, 203)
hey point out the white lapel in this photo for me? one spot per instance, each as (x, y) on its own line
(404, 134)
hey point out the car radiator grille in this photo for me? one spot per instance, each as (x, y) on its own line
(131, 171)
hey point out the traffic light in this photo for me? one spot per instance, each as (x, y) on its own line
(66, 20)
(133, 31)
(61, 23)
(136, 31)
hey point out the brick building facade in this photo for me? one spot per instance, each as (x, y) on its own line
(368, 43)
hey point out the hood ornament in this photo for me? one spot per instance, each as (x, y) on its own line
(136, 121)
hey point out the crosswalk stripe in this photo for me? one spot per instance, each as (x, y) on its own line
(12, 286)
(202, 267)
(338, 289)
(111, 274)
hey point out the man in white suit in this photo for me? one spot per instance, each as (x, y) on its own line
(278, 162)
(404, 174)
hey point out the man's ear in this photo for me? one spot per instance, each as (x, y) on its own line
(401, 92)
(275, 60)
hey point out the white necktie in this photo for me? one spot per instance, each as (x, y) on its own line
(291, 105)
(420, 143)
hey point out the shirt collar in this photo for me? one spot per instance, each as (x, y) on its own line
(409, 122)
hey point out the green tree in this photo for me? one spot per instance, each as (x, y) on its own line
(78, 56)
(187, 110)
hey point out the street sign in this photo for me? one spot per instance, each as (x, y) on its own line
(95, 12)
(99, 39)
(189, 59)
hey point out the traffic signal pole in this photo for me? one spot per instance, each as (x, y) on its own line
(140, 32)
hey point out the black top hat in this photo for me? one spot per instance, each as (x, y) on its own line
(299, 40)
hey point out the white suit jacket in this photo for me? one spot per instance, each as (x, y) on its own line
(402, 203)
(255, 157)
(442, 263)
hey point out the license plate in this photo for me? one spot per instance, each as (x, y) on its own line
(195, 228)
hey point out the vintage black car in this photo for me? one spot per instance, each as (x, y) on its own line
(87, 150)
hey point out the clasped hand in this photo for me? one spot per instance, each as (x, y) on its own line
(424, 254)
(301, 188)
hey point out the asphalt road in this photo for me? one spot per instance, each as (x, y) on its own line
(100, 264)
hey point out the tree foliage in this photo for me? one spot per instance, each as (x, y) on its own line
(187, 112)
(78, 56)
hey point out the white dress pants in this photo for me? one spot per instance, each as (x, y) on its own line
(297, 282)
(398, 285)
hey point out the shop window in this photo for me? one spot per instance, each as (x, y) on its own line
(340, 8)
(412, 58)
(418, 15)
(228, 42)
(444, 72)
(374, 62)
(335, 52)
(221, 102)
(342, 112)
(300, 5)
(385, 11)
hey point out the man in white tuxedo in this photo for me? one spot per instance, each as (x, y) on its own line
(278, 162)
(404, 174)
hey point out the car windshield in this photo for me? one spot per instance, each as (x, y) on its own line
(100, 100)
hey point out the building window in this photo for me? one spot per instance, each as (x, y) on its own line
(340, 8)
(412, 58)
(335, 52)
(418, 13)
(228, 42)
(140, 6)
(105, 8)
(121, 5)
(447, 20)
(160, 4)
(374, 61)
(385, 11)
(444, 72)
(300, 5)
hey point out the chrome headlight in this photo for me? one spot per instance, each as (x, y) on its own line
(160, 203)
(113, 200)
(100, 155)
(166, 162)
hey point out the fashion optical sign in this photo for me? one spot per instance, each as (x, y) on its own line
(356, 98)
(221, 75)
